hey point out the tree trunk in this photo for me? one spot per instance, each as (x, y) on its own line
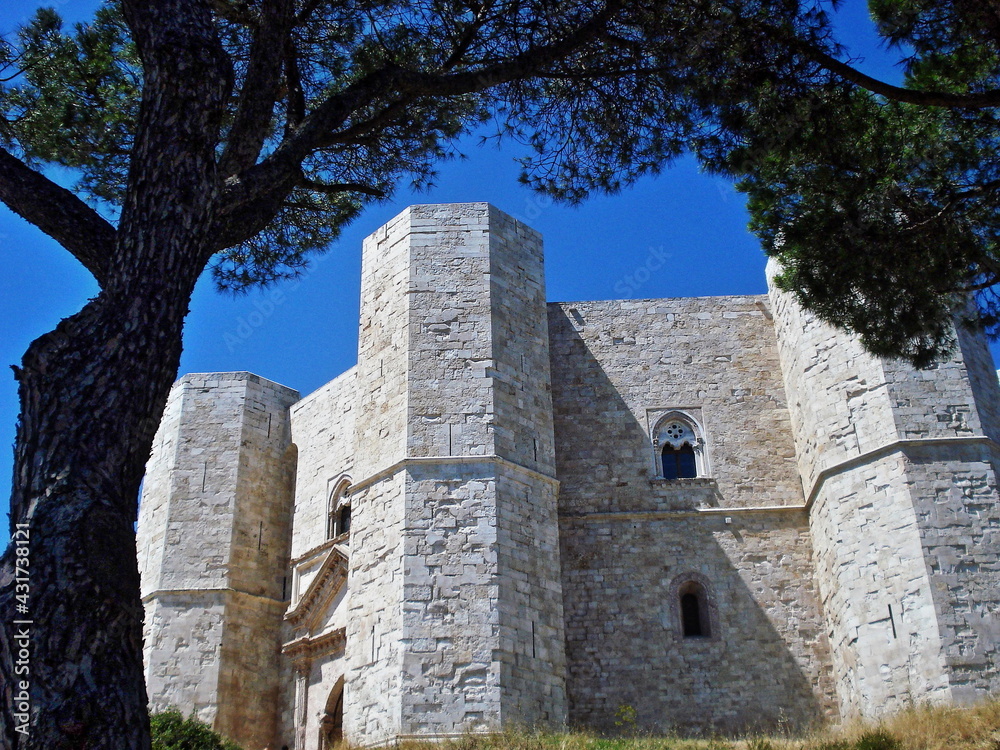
(92, 393)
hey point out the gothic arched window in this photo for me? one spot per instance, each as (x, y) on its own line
(679, 448)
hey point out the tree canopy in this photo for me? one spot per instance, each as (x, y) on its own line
(857, 186)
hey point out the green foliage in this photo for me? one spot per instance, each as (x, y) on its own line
(171, 731)
(75, 98)
(877, 739)
(625, 717)
(883, 215)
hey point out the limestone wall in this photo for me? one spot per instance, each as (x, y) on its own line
(765, 662)
(372, 707)
(617, 364)
(215, 527)
(838, 396)
(629, 540)
(530, 604)
(519, 366)
(322, 427)
(871, 571)
(182, 642)
(451, 669)
(448, 355)
(478, 560)
(381, 421)
(959, 522)
(899, 469)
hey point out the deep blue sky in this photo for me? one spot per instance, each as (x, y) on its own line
(596, 251)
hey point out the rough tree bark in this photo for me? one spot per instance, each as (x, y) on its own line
(91, 395)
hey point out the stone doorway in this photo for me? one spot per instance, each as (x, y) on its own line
(331, 726)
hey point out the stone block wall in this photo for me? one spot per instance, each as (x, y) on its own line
(617, 364)
(322, 426)
(765, 663)
(876, 596)
(182, 643)
(372, 704)
(630, 540)
(449, 353)
(451, 672)
(532, 655)
(958, 516)
(837, 393)
(430, 593)
(519, 365)
(381, 374)
(215, 525)
(898, 466)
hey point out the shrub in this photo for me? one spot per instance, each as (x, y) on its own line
(877, 739)
(171, 731)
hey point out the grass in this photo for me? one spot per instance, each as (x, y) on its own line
(923, 728)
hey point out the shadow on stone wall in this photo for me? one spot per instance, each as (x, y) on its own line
(765, 664)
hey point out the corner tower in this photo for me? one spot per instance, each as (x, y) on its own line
(213, 538)
(899, 472)
(455, 620)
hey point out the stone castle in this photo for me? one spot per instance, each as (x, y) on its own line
(712, 512)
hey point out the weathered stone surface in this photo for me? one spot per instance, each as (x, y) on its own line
(214, 525)
(515, 555)
(899, 469)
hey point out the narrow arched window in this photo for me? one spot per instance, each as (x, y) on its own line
(679, 463)
(694, 614)
(345, 519)
(690, 615)
(338, 514)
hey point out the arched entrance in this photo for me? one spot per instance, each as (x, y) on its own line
(331, 726)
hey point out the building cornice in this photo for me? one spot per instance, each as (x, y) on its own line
(306, 648)
(896, 446)
(655, 515)
(439, 460)
(213, 590)
(327, 581)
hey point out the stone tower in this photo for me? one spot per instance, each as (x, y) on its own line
(214, 525)
(455, 618)
(897, 467)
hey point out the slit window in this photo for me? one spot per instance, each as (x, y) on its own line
(691, 615)
(694, 614)
(344, 519)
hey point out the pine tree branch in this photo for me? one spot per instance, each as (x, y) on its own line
(259, 91)
(978, 100)
(341, 187)
(265, 184)
(59, 213)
